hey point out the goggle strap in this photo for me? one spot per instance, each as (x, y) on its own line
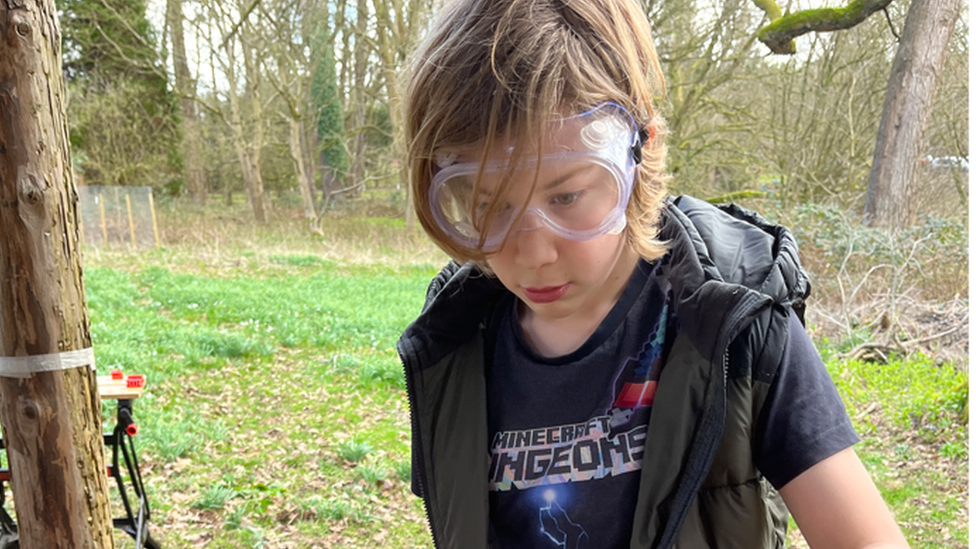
(642, 136)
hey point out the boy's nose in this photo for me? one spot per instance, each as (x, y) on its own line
(535, 248)
(529, 221)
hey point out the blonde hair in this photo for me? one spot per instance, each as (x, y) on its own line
(497, 72)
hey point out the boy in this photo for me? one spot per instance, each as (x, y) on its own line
(599, 366)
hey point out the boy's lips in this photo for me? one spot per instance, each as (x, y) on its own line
(546, 294)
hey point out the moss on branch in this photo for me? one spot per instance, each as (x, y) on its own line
(778, 35)
(772, 9)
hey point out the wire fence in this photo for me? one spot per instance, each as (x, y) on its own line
(117, 217)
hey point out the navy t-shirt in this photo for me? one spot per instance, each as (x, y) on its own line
(567, 434)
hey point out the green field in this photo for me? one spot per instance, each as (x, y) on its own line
(274, 415)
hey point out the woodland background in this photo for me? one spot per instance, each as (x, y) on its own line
(299, 97)
(274, 414)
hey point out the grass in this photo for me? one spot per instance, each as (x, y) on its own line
(275, 413)
(354, 450)
(910, 415)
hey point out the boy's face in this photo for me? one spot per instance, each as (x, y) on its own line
(553, 223)
(562, 280)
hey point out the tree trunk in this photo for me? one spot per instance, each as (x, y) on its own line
(908, 103)
(243, 158)
(226, 186)
(361, 55)
(328, 179)
(341, 25)
(51, 420)
(298, 158)
(385, 30)
(186, 89)
(248, 149)
(252, 76)
(310, 145)
(291, 87)
(257, 182)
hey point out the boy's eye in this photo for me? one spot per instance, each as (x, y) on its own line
(482, 207)
(565, 199)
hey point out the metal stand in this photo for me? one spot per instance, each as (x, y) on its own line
(135, 524)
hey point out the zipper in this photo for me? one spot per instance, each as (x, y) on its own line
(407, 359)
(420, 469)
(699, 465)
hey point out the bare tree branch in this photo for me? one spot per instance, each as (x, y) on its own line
(890, 24)
(240, 22)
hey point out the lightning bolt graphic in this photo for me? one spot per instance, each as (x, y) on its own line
(557, 526)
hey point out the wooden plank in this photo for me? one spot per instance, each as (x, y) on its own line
(117, 389)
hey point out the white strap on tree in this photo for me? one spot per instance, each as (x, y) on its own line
(25, 366)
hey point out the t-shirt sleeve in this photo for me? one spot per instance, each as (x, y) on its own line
(803, 420)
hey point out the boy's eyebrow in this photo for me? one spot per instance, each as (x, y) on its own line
(550, 185)
(562, 178)
(558, 181)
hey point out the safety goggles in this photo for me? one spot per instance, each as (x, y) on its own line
(582, 183)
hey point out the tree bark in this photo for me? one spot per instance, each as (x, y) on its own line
(248, 149)
(342, 26)
(52, 420)
(252, 77)
(186, 89)
(361, 55)
(298, 158)
(386, 30)
(291, 85)
(907, 106)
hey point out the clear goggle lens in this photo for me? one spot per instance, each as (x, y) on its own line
(581, 191)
